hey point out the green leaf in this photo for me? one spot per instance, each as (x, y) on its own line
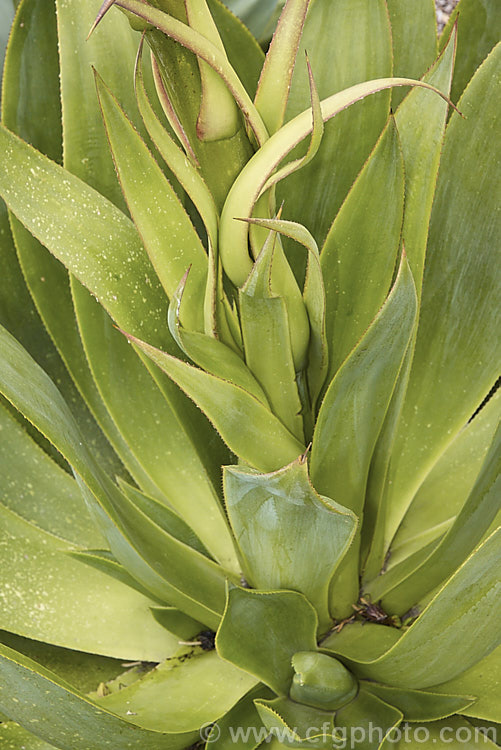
(370, 716)
(156, 211)
(361, 642)
(278, 519)
(255, 175)
(218, 117)
(449, 618)
(259, 17)
(313, 297)
(339, 58)
(242, 723)
(6, 17)
(419, 705)
(454, 732)
(163, 516)
(64, 717)
(83, 671)
(31, 391)
(420, 121)
(177, 695)
(69, 211)
(211, 354)
(205, 51)
(184, 171)
(12, 737)
(193, 574)
(352, 413)
(475, 517)
(479, 24)
(275, 81)
(134, 297)
(44, 592)
(214, 395)
(446, 488)
(455, 361)
(296, 725)
(358, 264)
(32, 107)
(483, 680)
(261, 631)
(266, 334)
(414, 44)
(38, 490)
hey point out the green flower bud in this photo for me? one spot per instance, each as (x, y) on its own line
(321, 681)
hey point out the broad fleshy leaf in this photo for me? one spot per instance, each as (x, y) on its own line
(352, 413)
(278, 519)
(69, 720)
(228, 406)
(368, 712)
(470, 525)
(483, 680)
(445, 628)
(419, 705)
(358, 265)
(455, 361)
(262, 630)
(44, 591)
(446, 488)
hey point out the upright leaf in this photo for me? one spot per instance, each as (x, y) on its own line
(475, 517)
(359, 254)
(339, 57)
(414, 44)
(479, 26)
(353, 411)
(456, 355)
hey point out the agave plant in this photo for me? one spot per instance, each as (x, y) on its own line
(248, 496)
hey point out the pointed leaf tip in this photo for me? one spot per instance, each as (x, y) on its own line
(102, 12)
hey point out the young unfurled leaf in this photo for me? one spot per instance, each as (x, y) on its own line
(218, 117)
(274, 84)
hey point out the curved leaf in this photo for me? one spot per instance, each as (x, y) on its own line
(483, 680)
(370, 716)
(446, 488)
(73, 722)
(274, 84)
(341, 55)
(166, 231)
(469, 527)
(419, 705)
(38, 490)
(296, 725)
